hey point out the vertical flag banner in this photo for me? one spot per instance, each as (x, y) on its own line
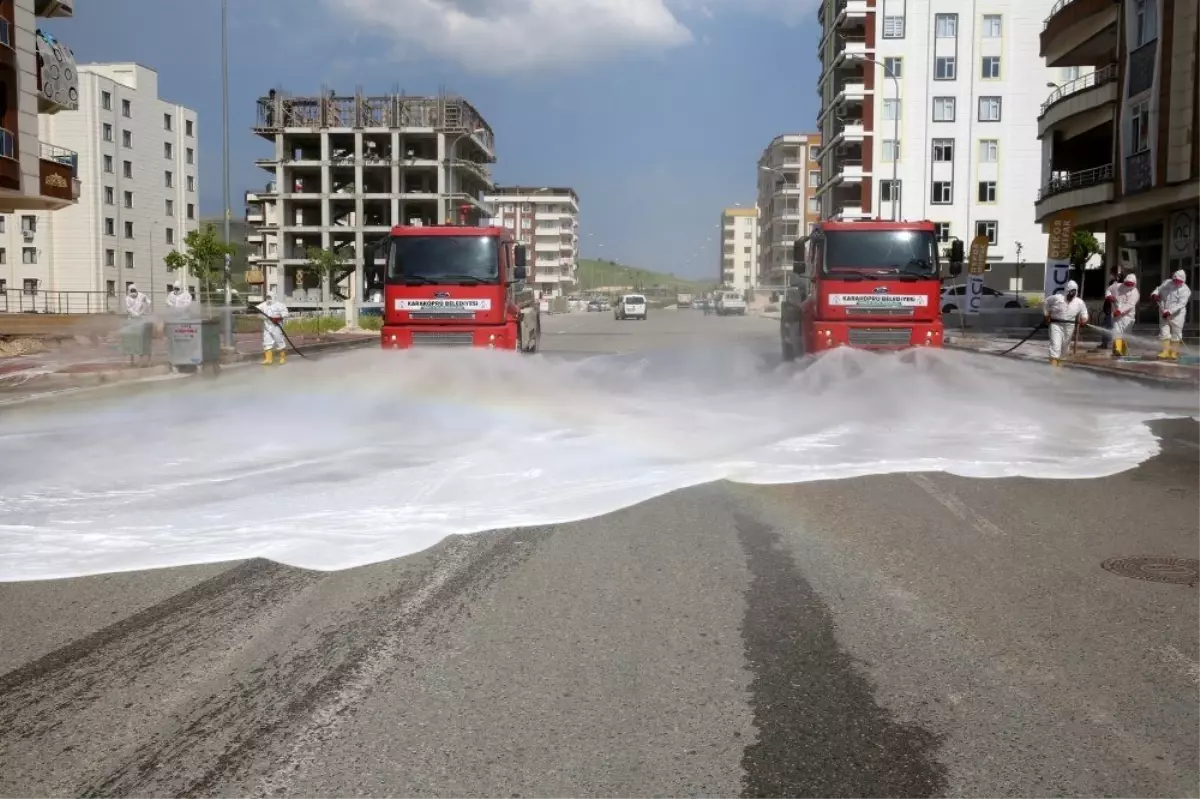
(1058, 252)
(976, 266)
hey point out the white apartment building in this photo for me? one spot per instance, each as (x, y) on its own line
(138, 157)
(788, 177)
(347, 168)
(739, 249)
(930, 112)
(546, 221)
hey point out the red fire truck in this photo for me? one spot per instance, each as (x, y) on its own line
(458, 286)
(870, 284)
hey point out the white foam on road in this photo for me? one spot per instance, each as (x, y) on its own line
(343, 462)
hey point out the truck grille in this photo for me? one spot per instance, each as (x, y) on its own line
(429, 339)
(879, 311)
(442, 315)
(880, 336)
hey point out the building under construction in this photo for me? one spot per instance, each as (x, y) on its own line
(346, 169)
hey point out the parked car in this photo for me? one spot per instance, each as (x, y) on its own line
(992, 300)
(630, 306)
(595, 305)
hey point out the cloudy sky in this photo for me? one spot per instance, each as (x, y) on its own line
(655, 111)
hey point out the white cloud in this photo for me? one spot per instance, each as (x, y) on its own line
(514, 36)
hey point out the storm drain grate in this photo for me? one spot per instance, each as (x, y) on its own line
(1180, 571)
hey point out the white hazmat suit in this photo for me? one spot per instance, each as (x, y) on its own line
(178, 300)
(1125, 299)
(1172, 298)
(274, 313)
(1064, 312)
(137, 304)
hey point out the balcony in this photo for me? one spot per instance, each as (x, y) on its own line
(1085, 94)
(849, 133)
(843, 54)
(57, 181)
(57, 76)
(1080, 33)
(849, 96)
(1069, 190)
(54, 8)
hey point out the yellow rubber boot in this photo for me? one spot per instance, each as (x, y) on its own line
(1165, 352)
(1055, 362)
(1173, 351)
(268, 357)
(282, 357)
(1121, 348)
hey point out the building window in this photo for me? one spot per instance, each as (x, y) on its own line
(894, 66)
(169, 179)
(988, 228)
(992, 29)
(128, 260)
(128, 199)
(190, 156)
(28, 255)
(943, 109)
(106, 100)
(989, 67)
(941, 231)
(1145, 23)
(127, 168)
(943, 150)
(893, 27)
(29, 285)
(110, 257)
(943, 193)
(987, 191)
(110, 226)
(3, 255)
(891, 150)
(1139, 127)
(889, 191)
(167, 122)
(168, 150)
(108, 132)
(814, 179)
(989, 151)
(946, 26)
(126, 108)
(814, 206)
(989, 109)
(191, 183)
(191, 211)
(110, 288)
(170, 235)
(127, 138)
(129, 230)
(170, 208)
(188, 128)
(28, 225)
(108, 164)
(944, 68)
(891, 110)
(110, 196)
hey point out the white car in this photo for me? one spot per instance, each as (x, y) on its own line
(730, 303)
(630, 306)
(992, 300)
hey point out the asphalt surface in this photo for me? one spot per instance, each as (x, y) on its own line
(908, 635)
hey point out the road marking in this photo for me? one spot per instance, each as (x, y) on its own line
(956, 506)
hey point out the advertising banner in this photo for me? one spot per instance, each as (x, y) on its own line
(1058, 252)
(976, 266)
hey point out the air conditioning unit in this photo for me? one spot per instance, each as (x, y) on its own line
(27, 234)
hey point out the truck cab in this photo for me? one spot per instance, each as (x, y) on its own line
(457, 286)
(865, 284)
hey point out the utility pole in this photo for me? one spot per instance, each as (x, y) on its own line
(228, 313)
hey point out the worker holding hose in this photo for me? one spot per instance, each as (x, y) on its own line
(1125, 299)
(1172, 298)
(1064, 314)
(273, 340)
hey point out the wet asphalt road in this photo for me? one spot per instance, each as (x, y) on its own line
(907, 635)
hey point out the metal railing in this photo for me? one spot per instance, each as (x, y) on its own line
(1098, 78)
(1059, 6)
(61, 155)
(57, 302)
(8, 143)
(1081, 179)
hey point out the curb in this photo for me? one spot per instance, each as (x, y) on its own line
(1108, 371)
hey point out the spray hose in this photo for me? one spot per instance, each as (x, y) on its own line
(295, 349)
(1030, 335)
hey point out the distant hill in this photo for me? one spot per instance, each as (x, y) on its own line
(595, 273)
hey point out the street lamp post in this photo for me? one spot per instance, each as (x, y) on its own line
(228, 313)
(897, 195)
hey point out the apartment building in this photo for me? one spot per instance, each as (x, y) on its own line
(37, 79)
(1121, 145)
(789, 176)
(739, 249)
(346, 168)
(138, 161)
(546, 220)
(929, 111)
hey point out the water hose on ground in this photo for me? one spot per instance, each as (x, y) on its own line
(1031, 334)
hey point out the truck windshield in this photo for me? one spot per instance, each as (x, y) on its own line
(881, 252)
(433, 259)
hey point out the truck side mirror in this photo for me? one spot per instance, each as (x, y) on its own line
(519, 273)
(520, 256)
(955, 269)
(797, 255)
(956, 258)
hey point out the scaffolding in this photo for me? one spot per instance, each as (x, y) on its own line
(280, 112)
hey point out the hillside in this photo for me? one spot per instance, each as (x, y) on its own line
(594, 273)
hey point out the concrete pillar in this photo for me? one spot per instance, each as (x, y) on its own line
(443, 187)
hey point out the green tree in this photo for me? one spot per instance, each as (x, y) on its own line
(1083, 246)
(322, 264)
(203, 257)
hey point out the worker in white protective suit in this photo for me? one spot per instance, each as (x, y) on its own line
(1064, 314)
(1125, 298)
(137, 304)
(1172, 298)
(274, 312)
(179, 300)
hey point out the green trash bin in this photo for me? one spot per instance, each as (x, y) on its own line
(137, 337)
(194, 344)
